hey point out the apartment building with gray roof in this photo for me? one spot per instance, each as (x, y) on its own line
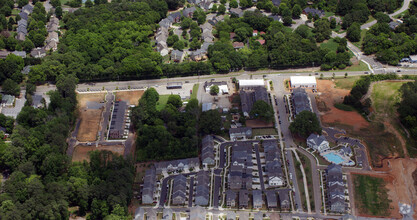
(179, 190)
(202, 190)
(207, 151)
(149, 186)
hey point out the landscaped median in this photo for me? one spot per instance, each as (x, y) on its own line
(307, 170)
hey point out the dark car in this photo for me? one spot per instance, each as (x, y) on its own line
(316, 73)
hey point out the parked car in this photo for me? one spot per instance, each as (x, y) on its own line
(316, 73)
(366, 72)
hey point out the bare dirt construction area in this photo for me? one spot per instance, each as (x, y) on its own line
(330, 114)
(81, 153)
(400, 184)
(130, 96)
(90, 118)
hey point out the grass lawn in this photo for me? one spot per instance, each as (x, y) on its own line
(371, 195)
(328, 14)
(359, 67)
(264, 131)
(15, 11)
(162, 102)
(384, 97)
(307, 169)
(330, 44)
(359, 44)
(195, 90)
(346, 83)
(370, 19)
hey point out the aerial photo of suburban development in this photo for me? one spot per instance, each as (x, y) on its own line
(208, 109)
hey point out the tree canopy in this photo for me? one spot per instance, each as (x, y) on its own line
(305, 123)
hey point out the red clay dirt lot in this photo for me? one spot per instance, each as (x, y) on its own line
(90, 118)
(329, 114)
(81, 152)
(131, 96)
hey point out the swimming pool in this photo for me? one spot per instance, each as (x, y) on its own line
(334, 158)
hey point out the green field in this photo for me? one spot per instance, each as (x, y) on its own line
(162, 102)
(195, 90)
(330, 44)
(264, 131)
(371, 196)
(346, 83)
(384, 97)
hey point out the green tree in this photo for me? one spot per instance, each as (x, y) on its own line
(305, 123)
(211, 122)
(58, 12)
(263, 111)
(353, 33)
(214, 89)
(88, 4)
(28, 45)
(287, 20)
(172, 40)
(195, 44)
(179, 45)
(233, 4)
(333, 24)
(214, 8)
(382, 17)
(296, 11)
(175, 100)
(322, 30)
(221, 9)
(10, 87)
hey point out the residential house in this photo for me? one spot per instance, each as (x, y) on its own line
(149, 186)
(255, 33)
(22, 23)
(175, 17)
(393, 25)
(257, 199)
(262, 42)
(240, 173)
(231, 197)
(167, 214)
(284, 200)
(215, 19)
(236, 11)
(4, 54)
(26, 69)
(194, 1)
(243, 215)
(271, 199)
(23, 15)
(202, 189)
(7, 100)
(27, 8)
(335, 189)
(162, 48)
(258, 216)
(38, 52)
(314, 12)
(273, 163)
(177, 165)
(413, 59)
(201, 54)
(151, 214)
(318, 143)
(21, 36)
(206, 4)
(37, 101)
(238, 45)
(248, 97)
(232, 35)
(300, 101)
(117, 123)
(166, 23)
(337, 18)
(51, 45)
(20, 53)
(207, 151)
(243, 198)
(276, 2)
(198, 213)
(188, 12)
(177, 56)
(179, 190)
(240, 133)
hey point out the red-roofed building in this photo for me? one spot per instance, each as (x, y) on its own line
(261, 33)
(238, 45)
(255, 33)
(262, 42)
(232, 35)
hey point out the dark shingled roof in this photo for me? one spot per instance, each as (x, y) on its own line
(249, 97)
(300, 100)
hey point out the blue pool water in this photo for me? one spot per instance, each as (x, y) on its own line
(334, 158)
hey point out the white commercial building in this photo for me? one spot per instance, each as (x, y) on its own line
(303, 81)
(251, 83)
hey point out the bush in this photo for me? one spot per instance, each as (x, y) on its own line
(343, 107)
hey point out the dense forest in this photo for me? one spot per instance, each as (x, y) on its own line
(407, 110)
(166, 134)
(43, 183)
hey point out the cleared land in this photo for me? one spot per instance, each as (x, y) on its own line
(371, 195)
(90, 118)
(162, 102)
(81, 153)
(130, 96)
